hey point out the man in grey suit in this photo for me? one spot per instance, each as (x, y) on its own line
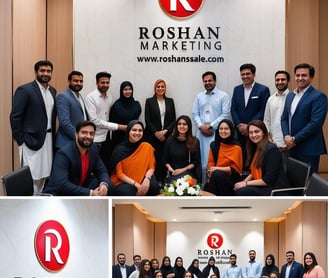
(33, 123)
(71, 109)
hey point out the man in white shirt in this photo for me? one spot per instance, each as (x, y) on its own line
(253, 269)
(98, 104)
(273, 111)
(233, 271)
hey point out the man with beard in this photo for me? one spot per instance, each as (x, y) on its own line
(273, 111)
(78, 169)
(291, 269)
(253, 268)
(71, 109)
(121, 269)
(233, 271)
(98, 104)
(33, 122)
(210, 107)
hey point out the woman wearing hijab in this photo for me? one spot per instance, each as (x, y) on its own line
(166, 268)
(160, 121)
(124, 110)
(264, 161)
(269, 267)
(132, 165)
(178, 268)
(211, 268)
(225, 161)
(182, 152)
(194, 269)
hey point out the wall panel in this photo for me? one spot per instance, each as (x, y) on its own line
(6, 86)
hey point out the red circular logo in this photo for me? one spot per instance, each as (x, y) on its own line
(180, 8)
(51, 245)
(214, 241)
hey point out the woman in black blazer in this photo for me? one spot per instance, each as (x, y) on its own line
(160, 121)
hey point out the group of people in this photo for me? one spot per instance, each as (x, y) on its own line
(253, 269)
(102, 148)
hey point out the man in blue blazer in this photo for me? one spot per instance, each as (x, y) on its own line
(33, 123)
(71, 109)
(121, 267)
(77, 169)
(303, 117)
(248, 101)
(291, 269)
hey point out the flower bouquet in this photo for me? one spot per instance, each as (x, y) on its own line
(184, 186)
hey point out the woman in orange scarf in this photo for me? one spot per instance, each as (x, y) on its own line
(132, 165)
(225, 161)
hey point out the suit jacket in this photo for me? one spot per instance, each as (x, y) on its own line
(153, 117)
(67, 168)
(295, 272)
(306, 122)
(255, 106)
(116, 271)
(70, 113)
(28, 117)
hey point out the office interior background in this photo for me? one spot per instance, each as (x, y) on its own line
(47, 29)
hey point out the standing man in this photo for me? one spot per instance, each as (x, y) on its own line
(33, 123)
(210, 107)
(248, 102)
(303, 117)
(121, 270)
(233, 271)
(273, 111)
(136, 262)
(71, 109)
(98, 104)
(291, 269)
(252, 269)
(78, 169)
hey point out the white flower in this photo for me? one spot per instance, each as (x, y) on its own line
(192, 191)
(171, 189)
(179, 191)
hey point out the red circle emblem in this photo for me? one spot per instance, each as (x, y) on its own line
(180, 8)
(51, 245)
(214, 241)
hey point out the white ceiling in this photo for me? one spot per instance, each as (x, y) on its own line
(211, 209)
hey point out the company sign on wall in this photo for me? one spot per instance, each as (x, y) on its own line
(177, 40)
(205, 240)
(52, 245)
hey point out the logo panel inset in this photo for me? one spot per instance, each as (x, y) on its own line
(180, 8)
(214, 241)
(51, 245)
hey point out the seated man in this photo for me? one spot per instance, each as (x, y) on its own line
(77, 169)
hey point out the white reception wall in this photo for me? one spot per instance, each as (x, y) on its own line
(85, 221)
(111, 35)
(189, 240)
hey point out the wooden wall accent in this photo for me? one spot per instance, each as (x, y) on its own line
(271, 232)
(60, 40)
(6, 75)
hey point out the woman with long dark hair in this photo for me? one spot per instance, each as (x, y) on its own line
(181, 152)
(311, 267)
(225, 161)
(264, 161)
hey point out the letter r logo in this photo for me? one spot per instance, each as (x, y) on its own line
(214, 241)
(51, 245)
(180, 8)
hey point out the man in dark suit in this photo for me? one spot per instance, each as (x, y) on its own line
(71, 109)
(33, 122)
(121, 270)
(303, 117)
(248, 101)
(78, 169)
(291, 269)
